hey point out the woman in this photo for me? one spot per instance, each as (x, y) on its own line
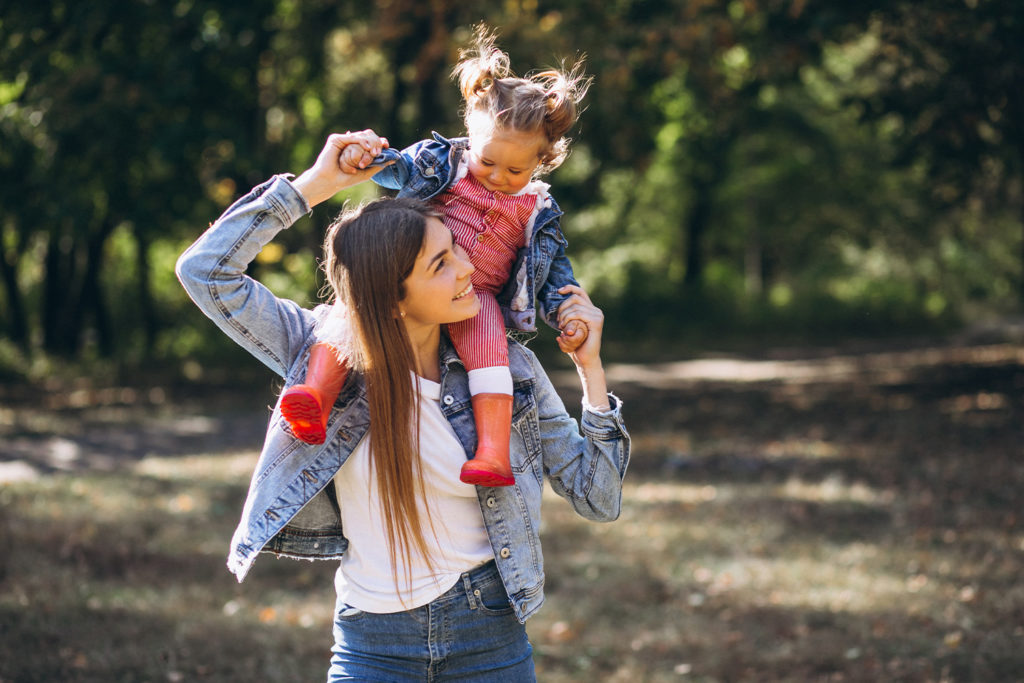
(436, 577)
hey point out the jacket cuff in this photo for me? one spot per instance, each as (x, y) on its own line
(604, 422)
(287, 201)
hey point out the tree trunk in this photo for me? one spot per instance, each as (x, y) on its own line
(91, 298)
(60, 335)
(17, 320)
(147, 308)
(696, 228)
(711, 153)
(753, 257)
(69, 300)
(1020, 277)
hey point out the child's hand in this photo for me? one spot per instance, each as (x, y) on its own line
(584, 343)
(358, 154)
(573, 335)
(351, 158)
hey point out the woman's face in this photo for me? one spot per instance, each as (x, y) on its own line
(438, 290)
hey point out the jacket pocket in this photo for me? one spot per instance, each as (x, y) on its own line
(524, 423)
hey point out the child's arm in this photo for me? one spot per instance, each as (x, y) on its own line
(551, 299)
(401, 168)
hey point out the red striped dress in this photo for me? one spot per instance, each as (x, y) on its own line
(491, 227)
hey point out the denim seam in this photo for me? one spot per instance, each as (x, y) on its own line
(215, 294)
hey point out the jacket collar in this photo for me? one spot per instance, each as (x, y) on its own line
(447, 352)
(459, 143)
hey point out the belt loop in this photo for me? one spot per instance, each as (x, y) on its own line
(468, 585)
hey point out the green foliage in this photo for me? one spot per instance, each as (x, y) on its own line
(766, 157)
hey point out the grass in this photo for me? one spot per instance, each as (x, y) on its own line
(826, 519)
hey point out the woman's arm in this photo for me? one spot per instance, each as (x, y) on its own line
(586, 470)
(212, 270)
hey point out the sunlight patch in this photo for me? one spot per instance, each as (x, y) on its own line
(834, 489)
(229, 468)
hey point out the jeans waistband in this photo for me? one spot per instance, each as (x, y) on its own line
(480, 571)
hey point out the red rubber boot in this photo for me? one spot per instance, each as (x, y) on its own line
(306, 406)
(490, 466)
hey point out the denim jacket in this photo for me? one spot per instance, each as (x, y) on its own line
(291, 508)
(428, 168)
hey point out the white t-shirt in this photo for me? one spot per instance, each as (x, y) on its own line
(364, 579)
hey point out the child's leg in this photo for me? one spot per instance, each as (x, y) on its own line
(482, 346)
(306, 406)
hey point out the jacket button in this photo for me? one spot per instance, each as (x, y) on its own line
(505, 553)
(449, 399)
(429, 171)
(491, 502)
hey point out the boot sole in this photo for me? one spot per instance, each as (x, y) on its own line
(302, 412)
(485, 478)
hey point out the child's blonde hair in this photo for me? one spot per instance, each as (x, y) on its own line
(545, 102)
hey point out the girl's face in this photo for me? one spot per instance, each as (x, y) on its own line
(504, 160)
(438, 290)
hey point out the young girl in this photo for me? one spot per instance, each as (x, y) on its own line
(486, 188)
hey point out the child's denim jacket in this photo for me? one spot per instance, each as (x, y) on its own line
(291, 507)
(428, 168)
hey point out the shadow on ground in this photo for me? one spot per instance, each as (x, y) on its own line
(796, 516)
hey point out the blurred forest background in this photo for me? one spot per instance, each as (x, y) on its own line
(803, 219)
(752, 169)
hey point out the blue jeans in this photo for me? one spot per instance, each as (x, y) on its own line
(468, 634)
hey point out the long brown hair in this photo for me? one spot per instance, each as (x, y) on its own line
(369, 252)
(545, 102)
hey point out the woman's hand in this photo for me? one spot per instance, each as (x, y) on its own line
(327, 176)
(580, 309)
(586, 355)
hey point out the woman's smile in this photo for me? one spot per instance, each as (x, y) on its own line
(441, 268)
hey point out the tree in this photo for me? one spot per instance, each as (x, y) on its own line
(947, 75)
(101, 108)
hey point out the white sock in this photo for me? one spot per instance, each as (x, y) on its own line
(496, 380)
